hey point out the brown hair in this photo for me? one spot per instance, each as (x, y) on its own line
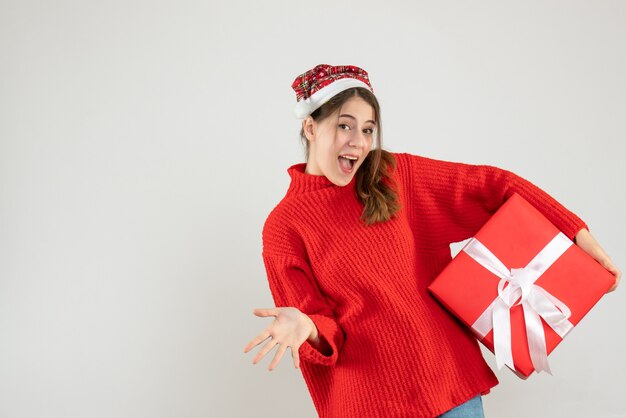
(375, 187)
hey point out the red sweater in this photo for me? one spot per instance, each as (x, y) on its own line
(396, 352)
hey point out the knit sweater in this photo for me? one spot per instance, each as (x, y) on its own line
(395, 352)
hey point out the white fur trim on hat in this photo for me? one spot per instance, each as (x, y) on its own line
(307, 106)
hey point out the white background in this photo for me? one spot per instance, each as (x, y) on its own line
(143, 143)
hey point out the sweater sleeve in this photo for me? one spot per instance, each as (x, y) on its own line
(458, 198)
(292, 283)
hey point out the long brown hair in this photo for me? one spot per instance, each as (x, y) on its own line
(375, 187)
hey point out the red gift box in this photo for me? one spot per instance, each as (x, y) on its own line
(521, 285)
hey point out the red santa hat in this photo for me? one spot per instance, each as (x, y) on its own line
(316, 86)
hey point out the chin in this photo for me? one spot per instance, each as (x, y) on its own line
(342, 181)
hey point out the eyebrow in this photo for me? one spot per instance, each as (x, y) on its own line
(352, 117)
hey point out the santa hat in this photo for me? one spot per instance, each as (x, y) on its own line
(316, 86)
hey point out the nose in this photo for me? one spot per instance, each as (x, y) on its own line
(357, 140)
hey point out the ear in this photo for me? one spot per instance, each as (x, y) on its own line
(310, 128)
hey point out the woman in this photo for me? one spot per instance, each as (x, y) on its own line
(351, 248)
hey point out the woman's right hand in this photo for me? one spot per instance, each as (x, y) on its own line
(588, 243)
(290, 328)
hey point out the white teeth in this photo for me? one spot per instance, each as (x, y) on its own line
(349, 157)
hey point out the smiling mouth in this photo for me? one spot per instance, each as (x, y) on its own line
(347, 163)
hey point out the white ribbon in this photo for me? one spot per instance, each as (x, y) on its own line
(536, 302)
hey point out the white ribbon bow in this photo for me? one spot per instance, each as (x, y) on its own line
(536, 302)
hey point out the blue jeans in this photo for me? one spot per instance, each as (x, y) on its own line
(470, 409)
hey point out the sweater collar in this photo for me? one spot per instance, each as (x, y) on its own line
(302, 182)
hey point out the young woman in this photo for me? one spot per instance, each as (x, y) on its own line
(351, 248)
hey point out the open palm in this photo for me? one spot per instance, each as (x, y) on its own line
(290, 328)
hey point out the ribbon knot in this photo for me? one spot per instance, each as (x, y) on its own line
(517, 287)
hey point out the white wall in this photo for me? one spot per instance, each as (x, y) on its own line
(143, 143)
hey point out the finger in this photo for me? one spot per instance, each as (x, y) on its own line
(265, 311)
(279, 354)
(257, 340)
(266, 348)
(615, 271)
(296, 357)
(614, 285)
(608, 264)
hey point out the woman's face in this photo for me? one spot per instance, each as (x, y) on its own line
(339, 144)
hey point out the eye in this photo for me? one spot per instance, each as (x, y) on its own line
(369, 131)
(343, 124)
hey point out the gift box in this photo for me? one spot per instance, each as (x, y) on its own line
(521, 285)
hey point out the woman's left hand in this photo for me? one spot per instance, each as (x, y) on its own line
(588, 243)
